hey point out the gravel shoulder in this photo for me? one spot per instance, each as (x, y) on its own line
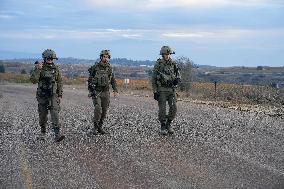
(213, 147)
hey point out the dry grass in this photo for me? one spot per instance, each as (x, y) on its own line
(135, 84)
(201, 91)
(237, 93)
(14, 78)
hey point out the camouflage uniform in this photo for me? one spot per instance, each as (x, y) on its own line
(100, 77)
(49, 90)
(164, 79)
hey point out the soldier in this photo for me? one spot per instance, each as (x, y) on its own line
(101, 76)
(165, 78)
(49, 92)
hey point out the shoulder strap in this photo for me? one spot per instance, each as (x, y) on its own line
(160, 61)
(92, 69)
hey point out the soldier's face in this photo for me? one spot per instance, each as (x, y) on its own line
(166, 56)
(49, 60)
(105, 58)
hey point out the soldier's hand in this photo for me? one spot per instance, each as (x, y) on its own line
(59, 100)
(176, 81)
(115, 94)
(156, 96)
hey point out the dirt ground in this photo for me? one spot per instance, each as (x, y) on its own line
(213, 147)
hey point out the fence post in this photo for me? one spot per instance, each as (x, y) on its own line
(215, 87)
(126, 83)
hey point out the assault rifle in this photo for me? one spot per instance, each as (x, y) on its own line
(170, 82)
(93, 92)
(50, 82)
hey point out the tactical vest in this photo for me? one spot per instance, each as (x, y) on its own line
(47, 82)
(166, 74)
(102, 76)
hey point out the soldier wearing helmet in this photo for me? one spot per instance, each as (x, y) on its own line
(101, 76)
(165, 78)
(49, 92)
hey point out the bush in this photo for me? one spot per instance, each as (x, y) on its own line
(2, 68)
(23, 71)
(238, 93)
(186, 67)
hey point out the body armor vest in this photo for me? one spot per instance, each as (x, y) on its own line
(101, 78)
(166, 74)
(47, 83)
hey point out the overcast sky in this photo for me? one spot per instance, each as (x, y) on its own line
(211, 32)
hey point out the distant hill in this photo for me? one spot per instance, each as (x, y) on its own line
(5, 55)
(70, 60)
(73, 67)
(25, 57)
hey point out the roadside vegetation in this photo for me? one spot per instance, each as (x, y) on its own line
(248, 94)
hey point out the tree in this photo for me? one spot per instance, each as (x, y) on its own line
(186, 67)
(23, 71)
(2, 68)
(260, 68)
(149, 72)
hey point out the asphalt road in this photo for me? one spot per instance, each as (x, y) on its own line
(212, 147)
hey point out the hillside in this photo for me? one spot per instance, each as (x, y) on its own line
(134, 69)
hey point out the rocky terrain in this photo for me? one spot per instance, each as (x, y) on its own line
(213, 146)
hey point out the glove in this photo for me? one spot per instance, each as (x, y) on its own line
(92, 94)
(156, 96)
(59, 99)
(176, 81)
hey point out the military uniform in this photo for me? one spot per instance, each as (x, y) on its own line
(164, 79)
(49, 90)
(100, 78)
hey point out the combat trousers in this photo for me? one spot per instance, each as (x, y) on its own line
(170, 97)
(51, 104)
(101, 104)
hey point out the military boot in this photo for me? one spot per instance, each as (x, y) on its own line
(163, 129)
(169, 127)
(94, 130)
(58, 136)
(100, 128)
(43, 129)
(41, 136)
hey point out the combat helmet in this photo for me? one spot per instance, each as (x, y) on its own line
(105, 52)
(166, 50)
(49, 53)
